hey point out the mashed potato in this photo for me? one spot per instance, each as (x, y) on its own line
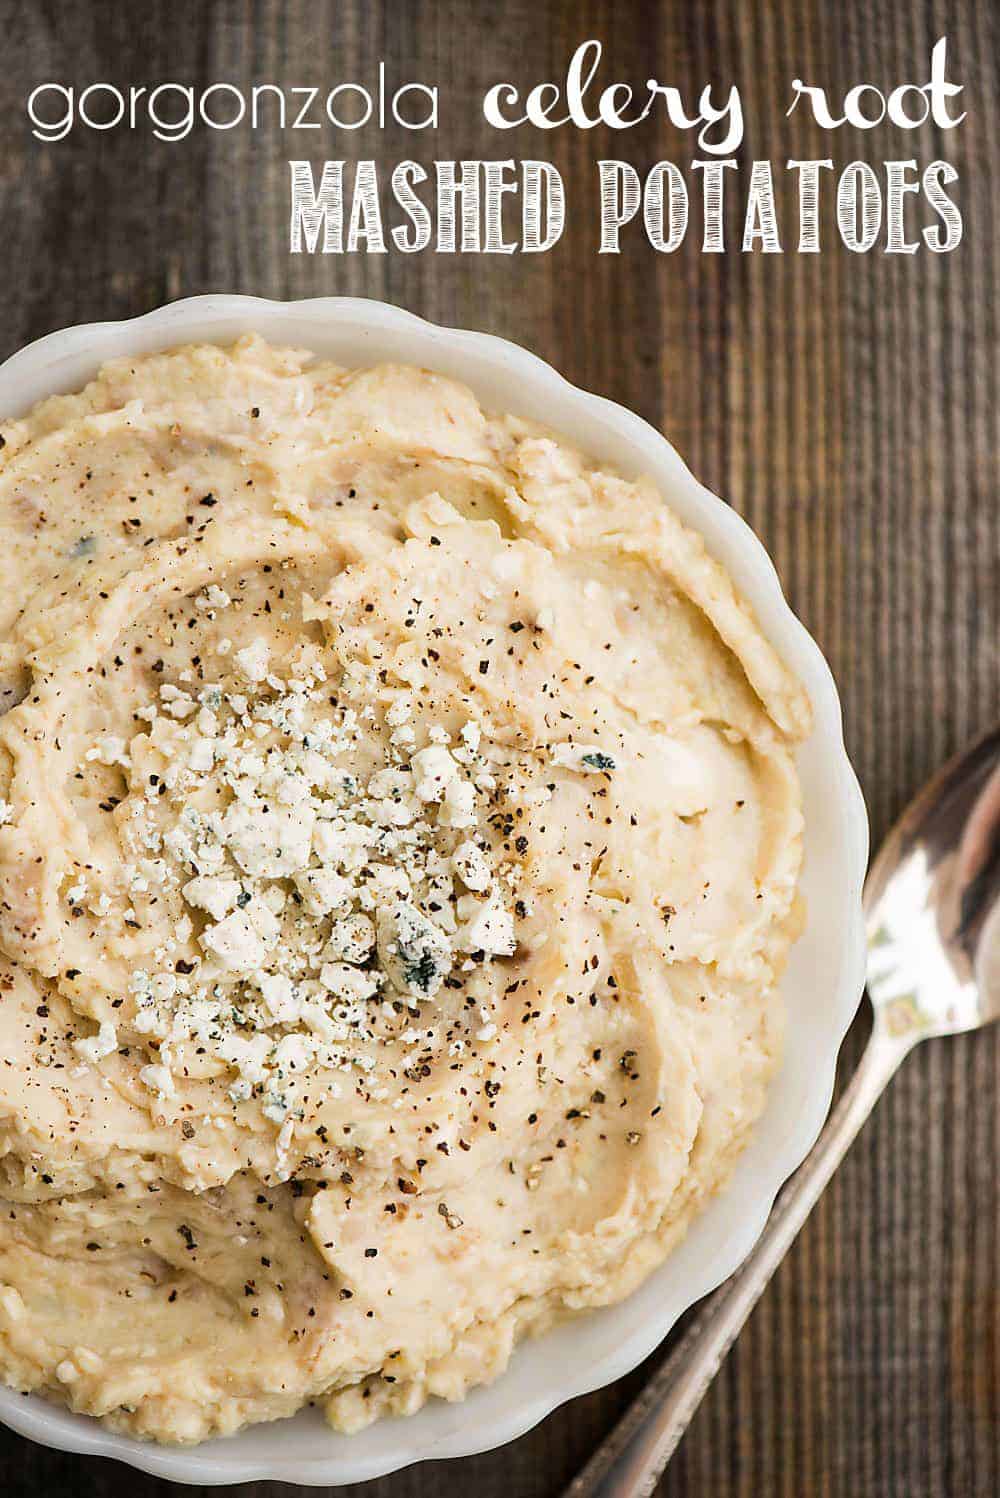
(399, 848)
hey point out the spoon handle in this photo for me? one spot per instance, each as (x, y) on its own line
(631, 1459)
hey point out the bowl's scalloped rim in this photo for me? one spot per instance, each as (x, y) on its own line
(31, 1415)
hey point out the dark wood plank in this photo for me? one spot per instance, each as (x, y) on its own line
(846, 405)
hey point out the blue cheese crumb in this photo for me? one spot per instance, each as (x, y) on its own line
(587, 758)
(414, 952)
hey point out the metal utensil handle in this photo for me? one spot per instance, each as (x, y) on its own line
(631, 1459)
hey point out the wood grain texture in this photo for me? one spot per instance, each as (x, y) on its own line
(846, 405)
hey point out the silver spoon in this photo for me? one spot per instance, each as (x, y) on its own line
(932, 906)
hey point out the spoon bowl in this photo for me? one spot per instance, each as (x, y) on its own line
(932, 902)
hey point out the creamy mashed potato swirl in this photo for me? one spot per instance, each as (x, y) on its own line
(399, 849)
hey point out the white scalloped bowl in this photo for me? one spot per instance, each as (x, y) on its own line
(821, 987)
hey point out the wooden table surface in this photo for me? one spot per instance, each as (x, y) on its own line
(845, 404)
